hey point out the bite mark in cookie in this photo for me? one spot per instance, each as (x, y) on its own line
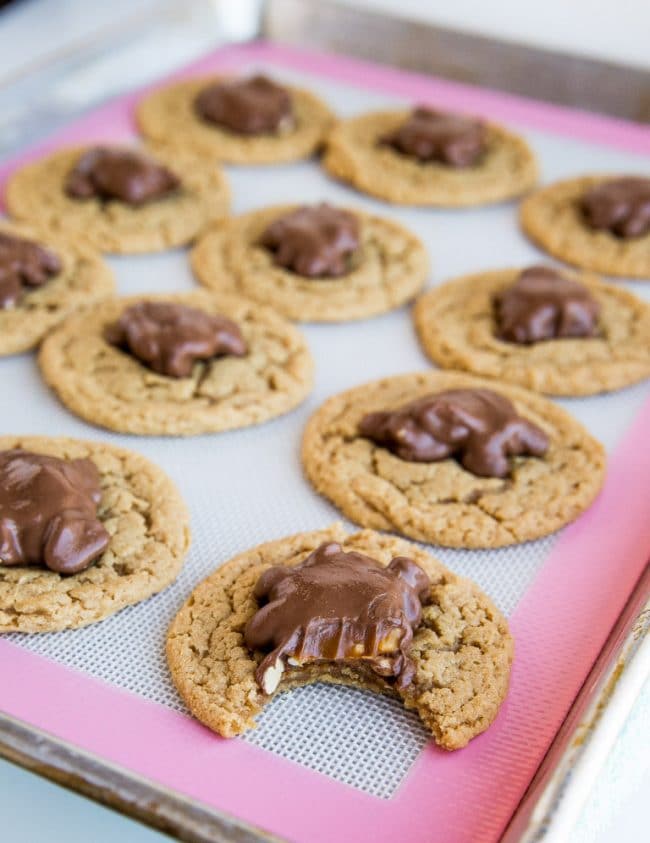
(338, 607)
(461, 649)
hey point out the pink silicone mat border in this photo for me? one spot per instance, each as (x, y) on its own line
(455, 798)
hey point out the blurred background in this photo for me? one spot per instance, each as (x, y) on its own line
(59, 57)
(616, 31)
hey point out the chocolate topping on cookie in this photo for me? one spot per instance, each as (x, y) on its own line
(23, 264)
(478, 427)
(123, 174)
(338, 607)
(170, 338)
(543, 304)
(621, 206)
(430, 135)
(254, 106)
(315, 242)
(48, 512)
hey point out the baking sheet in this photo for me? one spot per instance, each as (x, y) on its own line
(246, 487)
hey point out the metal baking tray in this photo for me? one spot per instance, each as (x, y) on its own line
(561, 781)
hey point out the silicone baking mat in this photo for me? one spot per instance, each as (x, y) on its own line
(329, 763)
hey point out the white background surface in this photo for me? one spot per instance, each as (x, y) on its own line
(618, 30)
(33, 810)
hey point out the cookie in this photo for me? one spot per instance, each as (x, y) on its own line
(355, 154)
(167, 117)
(36, 193)
(441, 502)
(149, 537)
(83, 278)
(109, 387)
(462, 649)
(387, 270)
(553, 219)
(456, 326)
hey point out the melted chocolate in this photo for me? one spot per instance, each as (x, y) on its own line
(478, 427)
(254, 106)
(315, 242)
(620, 206)
(338, 607)
(170, 338)
(544, 305)
(48, 512)
(429, 135)
(23, 265)
(123, 174)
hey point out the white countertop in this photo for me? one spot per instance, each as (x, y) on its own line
(598, 29)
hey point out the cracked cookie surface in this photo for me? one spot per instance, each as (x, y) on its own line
(108, 387)
(462, 649)
(355, 155)
(35, 193)
(167, 118)
(387, 270)
(440, 502)
(552, 218)
(84, 278)
(457, 329)
(149, 533)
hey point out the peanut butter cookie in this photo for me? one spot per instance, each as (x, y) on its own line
(556, 218)
(358, 153)
(441, 501)
(120, 210)
(456, 323)
(38, 290)
(106, 384)
(461, 650)
(385, 269)
(169, 117)
(148, 528)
